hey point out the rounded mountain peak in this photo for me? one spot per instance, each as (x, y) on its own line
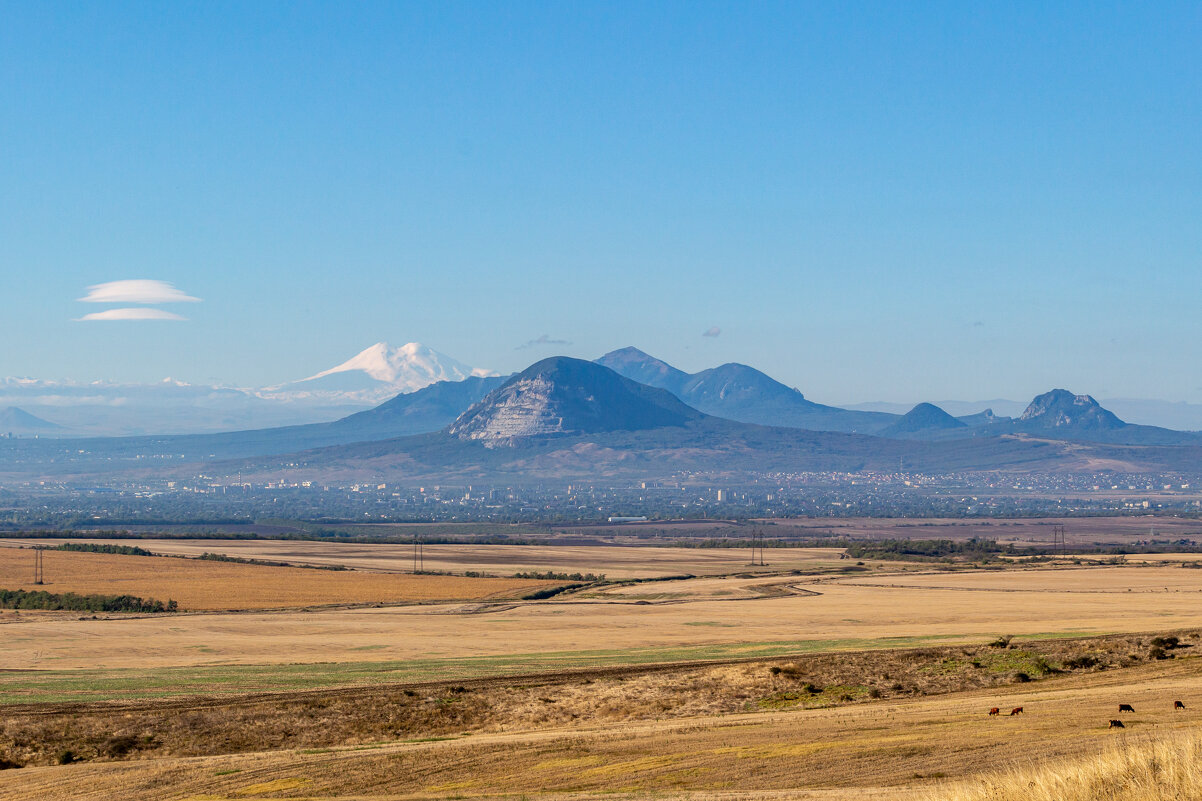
(561, 395)
(1060, 408)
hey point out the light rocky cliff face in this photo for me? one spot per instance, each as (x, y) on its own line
(524, 408)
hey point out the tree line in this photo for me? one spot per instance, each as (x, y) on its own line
(70, 601)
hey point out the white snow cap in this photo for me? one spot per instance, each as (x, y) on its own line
(412, 366)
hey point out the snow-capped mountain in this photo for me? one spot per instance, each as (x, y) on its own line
(101, 408)
(378, 373)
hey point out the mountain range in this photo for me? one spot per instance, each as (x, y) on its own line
(565, 417)
(380, 373)
(742, 393)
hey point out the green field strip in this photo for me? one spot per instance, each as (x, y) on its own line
(109, 684)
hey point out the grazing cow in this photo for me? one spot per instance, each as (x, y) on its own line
(1126, 708)
(1018, 710)
(1116, 724)
(996, 711)
(1178, 705)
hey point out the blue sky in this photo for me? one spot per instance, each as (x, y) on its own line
(889, 201)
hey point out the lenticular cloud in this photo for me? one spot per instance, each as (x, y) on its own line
(136, 291)
(131, 314)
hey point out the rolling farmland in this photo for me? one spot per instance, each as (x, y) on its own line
(310, 687)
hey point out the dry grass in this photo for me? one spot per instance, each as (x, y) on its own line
(204, 585)
(1133, 770)
(701, 732)
(34, 734)
(878, 749)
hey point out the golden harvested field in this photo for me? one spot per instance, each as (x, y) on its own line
(1142, 558)
(615, 562)
(838, 613)
(207, 585)
(893, 749)
(1104, 580)
(1112, 530)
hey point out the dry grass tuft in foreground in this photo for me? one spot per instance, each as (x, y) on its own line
(1132, 770)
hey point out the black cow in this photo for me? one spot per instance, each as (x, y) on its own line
(1116, 724)
(1126, 708)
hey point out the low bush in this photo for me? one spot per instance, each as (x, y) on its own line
(553, 576)
(1081, 662)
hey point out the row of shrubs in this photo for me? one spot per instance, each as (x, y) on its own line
(553, 576)
(134, 550)
(69, 601)
(96, 547)
(242, 560)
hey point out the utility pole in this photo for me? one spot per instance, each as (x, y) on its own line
(419, 558)
(39, 575)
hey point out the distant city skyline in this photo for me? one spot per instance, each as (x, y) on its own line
(881, 203)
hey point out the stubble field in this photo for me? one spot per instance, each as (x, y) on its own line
(615, 562)
(201, 585)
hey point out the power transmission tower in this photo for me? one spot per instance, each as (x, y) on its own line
(39, 575)
(1058, 545)
(757, 549)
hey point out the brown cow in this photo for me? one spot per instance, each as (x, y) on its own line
(1018, 710)
(1126, 708)
(996, 711)
(1178, 705)
(1116, 724)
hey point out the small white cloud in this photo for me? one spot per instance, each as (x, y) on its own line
(712, 331)
(542, 339)
(138, 291)
(130, 314)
